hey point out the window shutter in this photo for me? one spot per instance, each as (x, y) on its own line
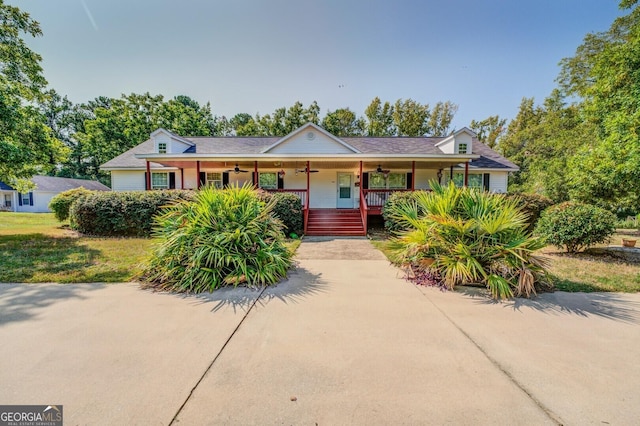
(172, 180)
(19, 199)
(31, 198)
(280, 182)
(203, 179)
(225, 179)
(409, 178)
(365, 180)
(485, 181)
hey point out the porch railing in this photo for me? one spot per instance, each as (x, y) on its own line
(375, 198)
(364, 210)
(300, 193)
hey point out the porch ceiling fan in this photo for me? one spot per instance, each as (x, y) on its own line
(237, 170)
(379, 169)
(305, 171)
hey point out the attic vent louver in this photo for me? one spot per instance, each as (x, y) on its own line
(311, 136)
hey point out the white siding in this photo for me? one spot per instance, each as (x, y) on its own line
(424, 176)
(464, 138)
(127, 180)
(302, 143)
(498, 181)
(173, 145)
(40, 203)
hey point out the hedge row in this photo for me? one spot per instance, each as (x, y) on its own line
(121, 213)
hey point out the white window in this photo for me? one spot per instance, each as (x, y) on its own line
(26, 200)
(162, 147)
(462, 148)
(393, 181)
(159, 180)
(214, 179)
(7, 200)
(268, 180)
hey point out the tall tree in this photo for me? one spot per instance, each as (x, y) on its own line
(605, 74)
(27, 145)
(343, 122)
(441, 118)
(379, 118)
(489, 130)
(411, 118)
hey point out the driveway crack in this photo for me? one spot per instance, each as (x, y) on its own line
(552, 416)
(206, 371)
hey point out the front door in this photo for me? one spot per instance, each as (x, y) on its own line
(345, 192)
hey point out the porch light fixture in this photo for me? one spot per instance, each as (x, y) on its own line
(281, 173)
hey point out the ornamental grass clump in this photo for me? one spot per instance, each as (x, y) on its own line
(467, 236)
(225, 237)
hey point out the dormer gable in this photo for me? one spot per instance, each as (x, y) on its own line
(459, 142)
(310, 139)
(166, 142)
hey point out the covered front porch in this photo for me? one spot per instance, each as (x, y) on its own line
(362, 186)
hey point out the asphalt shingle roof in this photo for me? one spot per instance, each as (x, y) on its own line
(366, 145)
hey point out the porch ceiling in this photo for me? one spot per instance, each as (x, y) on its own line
(346, 165)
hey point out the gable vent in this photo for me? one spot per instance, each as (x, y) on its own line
(311, 136)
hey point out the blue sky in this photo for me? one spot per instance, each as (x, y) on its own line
(255, 56)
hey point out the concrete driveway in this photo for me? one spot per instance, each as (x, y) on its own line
(345, 340)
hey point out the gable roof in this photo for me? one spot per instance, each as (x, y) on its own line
(5, 187)
(171, 135)
(305, 128)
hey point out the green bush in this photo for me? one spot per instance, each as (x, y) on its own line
(395, 203)
(61, 203)
(575, 226)
(468, 236)
(223, 237)
(121, 213)
(532, 205)
(288, 208)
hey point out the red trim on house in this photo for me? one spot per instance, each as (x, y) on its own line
(413, 175)
(466, 174)
(256, 180)
(181, 178)
(198, 174)
(148, 183)
(308, 175)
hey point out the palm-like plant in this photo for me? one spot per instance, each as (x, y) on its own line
(223, 237)
(472, 237)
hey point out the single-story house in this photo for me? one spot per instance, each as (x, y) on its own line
(46, 187)
(340, 180)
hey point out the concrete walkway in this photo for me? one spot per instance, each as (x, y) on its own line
(345, 340)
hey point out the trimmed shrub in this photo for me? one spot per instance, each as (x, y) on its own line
(222, 238)
(397, 202)
(121, 213)
(288, 208)
(61, 203)
(467, 236)
(575, 226)
(532, 205)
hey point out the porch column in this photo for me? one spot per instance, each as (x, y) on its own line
(148, 182)
(466, 174)
(255, 174)
(308, 174)
(198, 174)
(413, 175)
(450, 173)
(360, 176)
(181, 178)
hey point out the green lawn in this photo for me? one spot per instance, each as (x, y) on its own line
(583, 272)
(36, 248)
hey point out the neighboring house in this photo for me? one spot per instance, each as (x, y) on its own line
(339, 179)
(46, 187)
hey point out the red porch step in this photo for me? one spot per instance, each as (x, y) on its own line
(338, 222)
